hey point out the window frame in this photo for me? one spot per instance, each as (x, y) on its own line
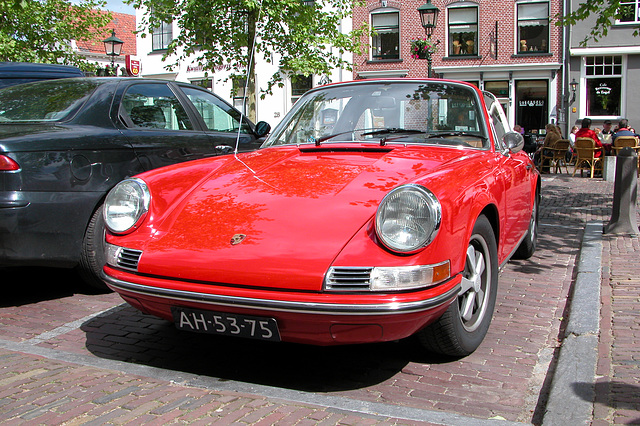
(451, 47)
(636, 19)
(607, 72)
(163, 33)
(380, 58)
(299, 85)
(519, 38)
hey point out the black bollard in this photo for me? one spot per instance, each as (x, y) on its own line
(625, 195)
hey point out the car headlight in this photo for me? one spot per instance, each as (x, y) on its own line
(126, 205)
(408, 218)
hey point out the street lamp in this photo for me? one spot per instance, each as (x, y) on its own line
(574, 87)
(113, 46)
(429, 19)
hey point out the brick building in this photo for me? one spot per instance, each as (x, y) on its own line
(512, 49)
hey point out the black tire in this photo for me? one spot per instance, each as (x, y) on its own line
(92, 257)
(463, 326)
(528, 246)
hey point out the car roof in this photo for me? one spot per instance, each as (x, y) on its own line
(33, 70)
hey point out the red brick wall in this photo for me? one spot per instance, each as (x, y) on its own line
(490, 11)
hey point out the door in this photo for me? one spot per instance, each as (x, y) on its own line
(159, 126)
(222, 121)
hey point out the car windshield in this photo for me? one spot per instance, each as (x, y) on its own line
(52, 100)
(428, 112)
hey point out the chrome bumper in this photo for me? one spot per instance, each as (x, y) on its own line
(391, 308)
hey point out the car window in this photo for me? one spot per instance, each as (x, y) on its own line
(496, 119)
(53, 100)
(412, 112)
(217, 115)
(155, 106)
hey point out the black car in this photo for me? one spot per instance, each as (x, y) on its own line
(65, 143)
(12, 73)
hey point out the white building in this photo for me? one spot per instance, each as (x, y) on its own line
(270, 109)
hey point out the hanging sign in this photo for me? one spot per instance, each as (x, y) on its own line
(133, 65)
(532, 103)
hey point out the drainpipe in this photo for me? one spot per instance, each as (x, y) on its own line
(564, 104)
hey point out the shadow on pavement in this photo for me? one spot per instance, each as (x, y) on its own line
(131, 336)
(619, 395)
(36, 284)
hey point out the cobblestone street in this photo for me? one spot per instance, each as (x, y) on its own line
(73, 357)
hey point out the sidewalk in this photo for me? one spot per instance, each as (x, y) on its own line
(618, 370)
(597, 376)
(89, 359)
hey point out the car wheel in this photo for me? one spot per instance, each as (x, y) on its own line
(528, 245)
(92, 257)
(463, 326)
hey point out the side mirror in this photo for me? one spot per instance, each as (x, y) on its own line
(514, 141)
(262, 129)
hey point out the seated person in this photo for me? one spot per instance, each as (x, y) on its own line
(623, 130)
(553, 135)
(586, 132)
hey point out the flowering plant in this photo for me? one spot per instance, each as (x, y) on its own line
(422, 47)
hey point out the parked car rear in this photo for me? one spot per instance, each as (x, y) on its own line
(12, 73)
(65, 143)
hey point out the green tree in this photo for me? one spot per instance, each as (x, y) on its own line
(42, 30)
(606, 12)
(301, 37)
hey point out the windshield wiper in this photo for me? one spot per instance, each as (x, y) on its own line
(368, 131)
(458, 133)
(390, 130)
(324, 138)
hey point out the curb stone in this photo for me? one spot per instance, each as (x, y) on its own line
(572, 392)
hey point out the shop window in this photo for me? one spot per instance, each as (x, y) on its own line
(628, 12)
(500, 89)
(604, 83)
(299, 85)
(161, 36)
(533, 27)
(385, 44)
(463, 31)
(532, 105)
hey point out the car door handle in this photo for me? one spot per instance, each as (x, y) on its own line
(225, 149)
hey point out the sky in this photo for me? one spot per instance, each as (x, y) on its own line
(120, 6)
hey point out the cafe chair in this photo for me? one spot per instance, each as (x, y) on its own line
(586, 151)
(556, 155)
(623, 141)
(627, 141)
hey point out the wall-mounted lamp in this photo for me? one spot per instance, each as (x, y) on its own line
(574, 87)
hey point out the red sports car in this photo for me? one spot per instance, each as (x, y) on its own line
(376, 210)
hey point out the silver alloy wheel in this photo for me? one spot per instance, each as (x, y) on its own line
(475, 285)
(533, 223)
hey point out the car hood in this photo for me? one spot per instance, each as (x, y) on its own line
(277, 217)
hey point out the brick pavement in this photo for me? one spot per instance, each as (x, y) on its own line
(77, 358)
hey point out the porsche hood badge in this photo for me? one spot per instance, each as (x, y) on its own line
(237, 239)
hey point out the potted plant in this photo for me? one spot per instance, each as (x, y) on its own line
(422, 47)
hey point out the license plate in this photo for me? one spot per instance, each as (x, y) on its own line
(225, 323)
